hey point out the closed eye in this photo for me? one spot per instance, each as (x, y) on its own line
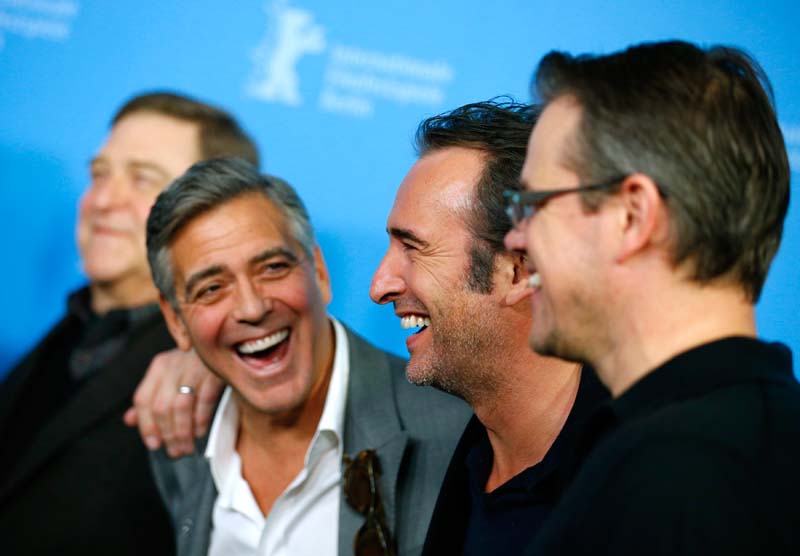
(207, 293)
(97, 174)
(275, 269)
(146, 180)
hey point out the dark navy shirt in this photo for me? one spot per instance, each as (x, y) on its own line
(467, 520)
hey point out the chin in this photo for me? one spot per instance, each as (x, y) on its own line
(104, 276)
(542, 346)
(553, 345)
(278, 403)
(417, 375)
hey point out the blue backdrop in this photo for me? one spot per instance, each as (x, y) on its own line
(332, 92)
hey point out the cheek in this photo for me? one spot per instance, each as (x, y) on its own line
(142, 204)
(532, 234)
(205, 324)
(85, 203)
(305, 301)
(304, 298)
(84, 208)
(427, 277)
(418, 288)
(301, 293)
(548, 244)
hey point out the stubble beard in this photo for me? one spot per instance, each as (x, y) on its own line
(567, 342)
(462, 354)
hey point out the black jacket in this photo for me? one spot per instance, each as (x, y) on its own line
(79, 481)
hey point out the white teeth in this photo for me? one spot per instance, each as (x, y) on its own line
(267, 342)
(413, 321)
(535, 280)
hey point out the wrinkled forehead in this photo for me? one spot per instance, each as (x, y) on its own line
(242, 227)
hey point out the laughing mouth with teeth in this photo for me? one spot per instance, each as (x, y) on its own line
(263, 347)
(414, 321)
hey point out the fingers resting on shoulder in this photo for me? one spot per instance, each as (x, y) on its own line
(175, 402)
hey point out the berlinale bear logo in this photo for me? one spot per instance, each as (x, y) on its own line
(291, 33)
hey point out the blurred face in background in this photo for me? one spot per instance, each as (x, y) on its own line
(143, 153)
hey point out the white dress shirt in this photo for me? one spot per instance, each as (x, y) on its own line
(304, 520)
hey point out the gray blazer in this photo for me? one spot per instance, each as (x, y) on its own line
(413, 430)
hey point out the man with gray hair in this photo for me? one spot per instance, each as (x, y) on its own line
(449, 279)
(243, 283)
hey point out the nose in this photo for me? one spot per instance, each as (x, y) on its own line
(108, 192)
(251, 305)
(387, 283)
(515, 240)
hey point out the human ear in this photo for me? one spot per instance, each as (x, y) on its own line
(640, 215)
(518, 290)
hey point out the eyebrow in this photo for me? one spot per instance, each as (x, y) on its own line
(146, 165)
(214, 270)
(403, 233)
(97, 160)
(274, 252)
(198, 276)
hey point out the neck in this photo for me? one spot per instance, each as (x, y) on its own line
(528, 412)
(296, 426)
(669, 323)
(108, 296)
(279, 433)
(272, 447)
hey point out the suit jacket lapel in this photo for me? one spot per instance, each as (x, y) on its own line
(371, 422)
(103, 393)
(193, 530)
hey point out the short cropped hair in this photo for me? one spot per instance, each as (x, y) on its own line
(701, 123)
(499, 128)
(220, 135)
(204, 186)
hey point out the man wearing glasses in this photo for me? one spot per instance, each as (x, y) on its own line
(650, 275)
(245, 286)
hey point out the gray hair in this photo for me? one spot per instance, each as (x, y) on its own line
(203, 187)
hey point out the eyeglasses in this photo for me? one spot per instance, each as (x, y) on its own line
(522, 205)
(361, 491)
